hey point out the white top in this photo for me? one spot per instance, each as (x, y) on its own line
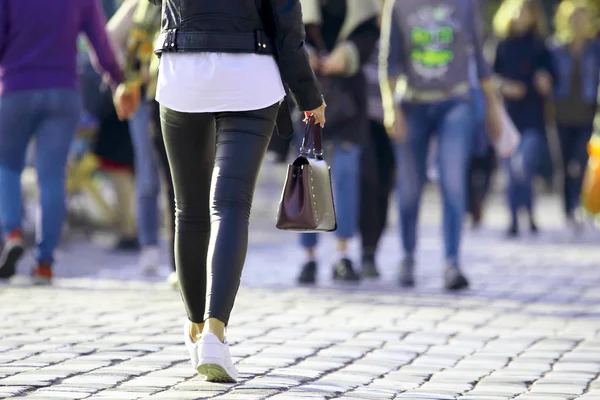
(214, 82)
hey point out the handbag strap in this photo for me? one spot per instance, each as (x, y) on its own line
(313, 131)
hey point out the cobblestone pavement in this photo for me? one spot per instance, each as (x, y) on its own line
(529, 329)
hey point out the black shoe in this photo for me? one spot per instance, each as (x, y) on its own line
(407, 272)
(533, 228)
(369, 268)
(453, 278)
(11, 254)
(344, 271)
(127, 244)
(513, 231)
(308, 274)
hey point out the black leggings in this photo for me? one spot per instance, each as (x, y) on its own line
(163, 165)
(214, 159)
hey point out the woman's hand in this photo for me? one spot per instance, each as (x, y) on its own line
(315, 61)
(512, 90)
(127, 99)
(319, 114)
(395, 125)
(543, 83)
(335, 63)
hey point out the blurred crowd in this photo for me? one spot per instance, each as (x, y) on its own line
(396, 121)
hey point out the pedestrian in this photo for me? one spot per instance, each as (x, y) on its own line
(526, 73)
(39, 100)
(341, 36)
(220, 87)
(577, 54)
(377, 166)
(133, 31)
(433, 43)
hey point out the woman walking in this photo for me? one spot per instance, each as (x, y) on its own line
(525, 70)
(577, 55)
(220, 89)
(133, 30)
(39, 100)
(341, 35)
(433, 43)
(377, 175)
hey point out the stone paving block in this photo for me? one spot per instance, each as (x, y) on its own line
(543, 396)
(117, 394)
(542, 355)
(10, 391)
(445, 387)
(151, 382)
(576, 367)
(181, 395)
(532, 364)
(526, 375)
(436, 361)
(591, 395)
(300, 395)
(413, 395)
(581, 356)
(243, 392)
(28, 379)
(511, 389)
(346, 379)
(199, 384)
(457, 376)
(55, 395)
(372, 393)
(557, 388)
(297, 372)
(273, 382)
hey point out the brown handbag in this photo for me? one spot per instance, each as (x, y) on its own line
(307, 200)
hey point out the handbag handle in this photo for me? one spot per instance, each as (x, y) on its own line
(315, 132)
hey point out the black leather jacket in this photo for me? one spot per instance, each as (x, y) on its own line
(244, 26)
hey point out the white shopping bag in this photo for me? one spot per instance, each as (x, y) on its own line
(510, 137)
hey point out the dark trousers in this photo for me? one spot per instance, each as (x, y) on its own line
(377, 182)
(480, 177)
(573, 146)
(214, 160)
(163, 165)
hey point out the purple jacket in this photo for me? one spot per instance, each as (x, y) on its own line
(38, 43)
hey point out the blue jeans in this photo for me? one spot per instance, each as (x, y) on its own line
(345, 176)
(453, 121)
(147, 178)
(51, 118)
(522, 167)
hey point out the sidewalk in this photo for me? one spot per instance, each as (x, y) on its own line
(529, 329)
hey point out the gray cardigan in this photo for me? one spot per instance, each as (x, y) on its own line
(435, 45)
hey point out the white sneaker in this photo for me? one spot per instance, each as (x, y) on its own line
(192, 347)
(215, 361)
(149, 259)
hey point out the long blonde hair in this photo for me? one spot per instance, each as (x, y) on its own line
(509, 9)
(564, 13)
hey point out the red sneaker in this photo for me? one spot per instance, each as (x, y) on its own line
(42, 274)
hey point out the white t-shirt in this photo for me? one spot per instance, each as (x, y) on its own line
(216, 82)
